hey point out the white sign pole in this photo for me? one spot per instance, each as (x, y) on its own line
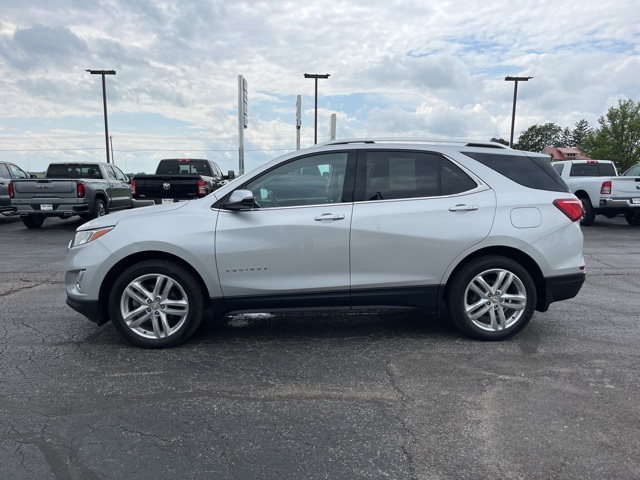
(243, 115)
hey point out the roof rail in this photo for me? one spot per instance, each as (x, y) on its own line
(462, 143)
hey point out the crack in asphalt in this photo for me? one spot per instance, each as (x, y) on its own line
(20, 289)
(64, 462)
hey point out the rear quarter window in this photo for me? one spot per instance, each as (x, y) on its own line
(531, 172)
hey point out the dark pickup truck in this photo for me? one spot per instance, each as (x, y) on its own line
(9, 171)
(179, 179)
(85, 189)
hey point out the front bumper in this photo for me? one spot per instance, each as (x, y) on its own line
(88, 308)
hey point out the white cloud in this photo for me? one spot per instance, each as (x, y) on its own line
(398, 69)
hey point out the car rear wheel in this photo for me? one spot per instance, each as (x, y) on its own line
(99, 209)
(633, 217)
(156, 304)
(491, 298)
(588, 215)
(33, 221)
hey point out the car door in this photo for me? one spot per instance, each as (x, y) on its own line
(119, 189)
(292, 248)
(415, 212)
(122, 188)
(5, 178)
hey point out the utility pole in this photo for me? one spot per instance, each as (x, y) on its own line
(113, 159)
(316, 76)
(515, 81)
(104, 103)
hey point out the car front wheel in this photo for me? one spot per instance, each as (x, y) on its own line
(156, 304)
(491, 298)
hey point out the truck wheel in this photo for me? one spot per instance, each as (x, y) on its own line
(156, 304)
(588, 215)
(33, 221)
(633, 217)
(491, 298)
(99, 209)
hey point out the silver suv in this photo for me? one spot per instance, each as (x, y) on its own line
(483, 232)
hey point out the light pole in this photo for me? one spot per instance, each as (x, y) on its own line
(104, 103)
(316, 76)
(515, 81)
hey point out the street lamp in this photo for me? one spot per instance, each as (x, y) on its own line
(104, 102)
(515, 81)
(316, 76)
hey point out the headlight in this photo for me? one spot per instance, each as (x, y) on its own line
(86, 236)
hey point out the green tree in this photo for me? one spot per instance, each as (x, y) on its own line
(618, 137)
(537, 137)
(566, 138)
(579, 133)
(500, 140)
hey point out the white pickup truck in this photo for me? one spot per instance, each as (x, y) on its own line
(602, 192)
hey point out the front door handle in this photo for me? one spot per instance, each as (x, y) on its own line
(328, 217)
(463, 208)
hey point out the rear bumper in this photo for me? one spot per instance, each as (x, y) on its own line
(620, 203)
(57, 210)
(561, 288)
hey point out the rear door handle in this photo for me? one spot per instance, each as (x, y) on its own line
(328, 217)
(463, 208)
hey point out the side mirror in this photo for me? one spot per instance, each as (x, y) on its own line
(231, 175)
(239, 200)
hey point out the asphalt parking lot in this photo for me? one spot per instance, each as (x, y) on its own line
(379, 395)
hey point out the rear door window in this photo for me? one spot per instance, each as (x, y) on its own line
(392, 175)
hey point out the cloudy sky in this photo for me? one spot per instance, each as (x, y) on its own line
(399, 68)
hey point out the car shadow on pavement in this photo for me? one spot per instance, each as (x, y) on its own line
(326, 325)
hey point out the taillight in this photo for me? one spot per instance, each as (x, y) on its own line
(133, 187)
(202, 187)
(571, 207)
(11, 190)
(81, 189)
(606, 188)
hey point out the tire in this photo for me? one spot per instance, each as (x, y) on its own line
(99, 208)
(33, 221)
(498, 313)
(165, 287)
(588, 215)
(633, 217)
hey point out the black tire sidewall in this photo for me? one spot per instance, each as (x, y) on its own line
(96, 208)
(180, 275)
(589, 215)
(633, 218)
(33, 221)
(458, 285)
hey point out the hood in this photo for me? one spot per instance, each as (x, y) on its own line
(114, 218)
